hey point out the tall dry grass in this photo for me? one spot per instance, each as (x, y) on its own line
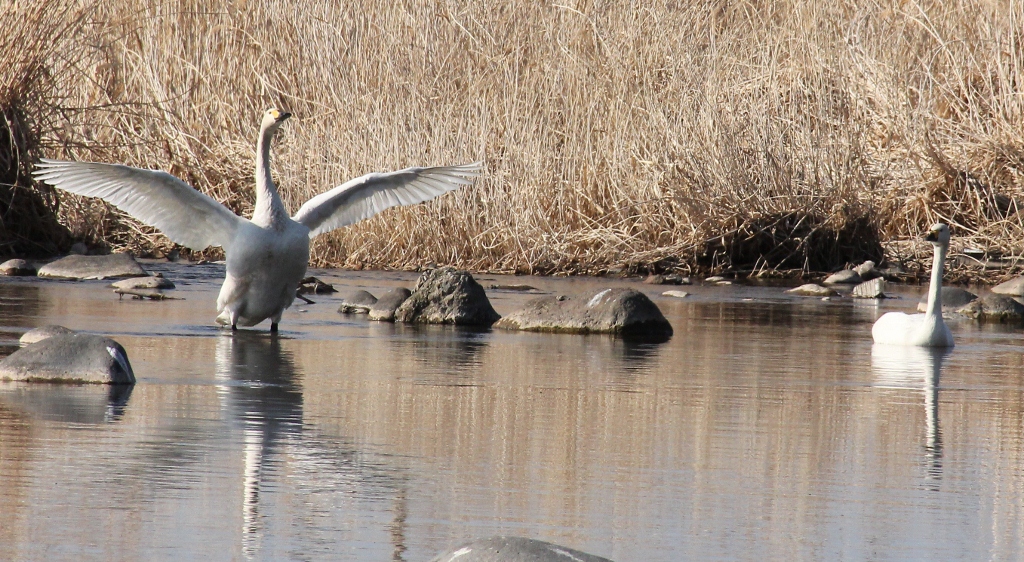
(748, 135)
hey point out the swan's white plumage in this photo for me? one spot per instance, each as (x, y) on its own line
(266, 256)
(928, 329)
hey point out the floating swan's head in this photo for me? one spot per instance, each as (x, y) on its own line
(938, 235)
(273, 118)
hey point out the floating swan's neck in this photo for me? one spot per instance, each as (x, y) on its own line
(269, 208)
(935, 287)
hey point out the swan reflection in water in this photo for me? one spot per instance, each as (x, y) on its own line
(260, 393)
(915, 368)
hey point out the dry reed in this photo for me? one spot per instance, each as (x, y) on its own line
(704, 135)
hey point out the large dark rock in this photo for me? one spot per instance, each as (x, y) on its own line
(385, 307)
(952, 299)
(447, 296)
(17, 267)
(73, 358)
(612, 311)
(994, 308)
(514, 549)
(358, 302)
(93, 267)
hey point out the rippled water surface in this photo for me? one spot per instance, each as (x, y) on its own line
(766, 428)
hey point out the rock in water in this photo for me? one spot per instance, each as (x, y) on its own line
(612, 311)
(17, 267)
(873, 289)
(667, 280)
(1014, 287)
(41, 333)
(846, 276)
(151, 282)
(384, 309)
(358, 302)
(70, 358)
(676, 294)
(447, 296)
(952, 299)
(93, 267)
(867, 271)
(997, 308)
(812, 290)
(514, 549)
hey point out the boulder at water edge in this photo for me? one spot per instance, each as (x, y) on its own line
(952, 299)
(844, 277)
(612, 311)
(358, 302)
(41, 333)
(70, 358)
(93, 267)
(994, 308)
(514, 549)
(812, 290)
(447, 296)
(385, 307)
(17, 267)
(1014, 287)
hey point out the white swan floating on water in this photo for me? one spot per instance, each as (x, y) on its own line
(928, 329)
(266, 256)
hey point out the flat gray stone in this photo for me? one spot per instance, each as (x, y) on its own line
(844, 277)
(676, 294)
(867, 271)
(1014, 287)
(873, 289)
(93, 267)
(952, 299)
(447, 296)
(70, 358)
(994, 308)
(17, 267)
(514, 549)
(812, 290)
(667, 280)
(151, 282)
(714, 279)
(385, 307)
(41, 333)
(612, 311)
(357, 302)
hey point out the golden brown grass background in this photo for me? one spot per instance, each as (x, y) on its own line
(755, 136)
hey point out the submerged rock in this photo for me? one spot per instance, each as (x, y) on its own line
(952, 299)
(312, 285)
(70, 358)
(514, 549)
(385, 307)
(17, 267)
(41, 333)
(1014, 287)
(447, 296)
(358, 302)
(844, 277)
(612, 311)
(93, 267)
(512, 287)
(667, 280)
(812, 290)
(151, 282)
(996, 308)
(873, 289)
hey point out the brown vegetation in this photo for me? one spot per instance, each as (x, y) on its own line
(712, 135)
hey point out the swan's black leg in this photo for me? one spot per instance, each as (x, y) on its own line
(234, 328)
(273, 327)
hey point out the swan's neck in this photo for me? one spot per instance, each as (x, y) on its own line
(935, 287)
(269, 208)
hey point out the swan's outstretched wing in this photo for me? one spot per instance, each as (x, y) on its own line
(156, 198)
(368, 195)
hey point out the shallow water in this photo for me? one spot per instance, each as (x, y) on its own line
(766, 428)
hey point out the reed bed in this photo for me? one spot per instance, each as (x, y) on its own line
(750, 136)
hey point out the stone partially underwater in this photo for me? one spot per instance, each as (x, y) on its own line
(625, 312)
(447, 296)
(69, 358)
(93, 267)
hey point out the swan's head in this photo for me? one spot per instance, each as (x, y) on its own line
(938, 235)
(273, 118)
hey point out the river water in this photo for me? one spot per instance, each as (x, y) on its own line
(766, 428)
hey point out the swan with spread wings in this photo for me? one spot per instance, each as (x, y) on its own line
(267, 255)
